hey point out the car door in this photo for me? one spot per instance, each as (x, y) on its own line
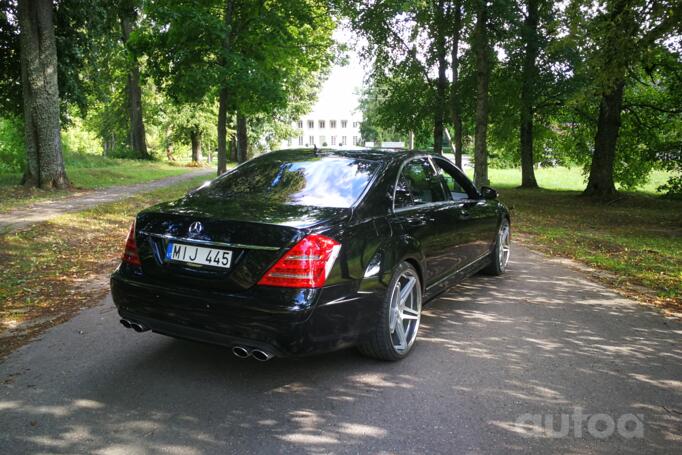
(419, 204)
(476, 217)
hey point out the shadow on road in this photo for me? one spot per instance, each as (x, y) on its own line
(540, 340)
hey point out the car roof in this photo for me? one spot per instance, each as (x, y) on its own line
(373, 154)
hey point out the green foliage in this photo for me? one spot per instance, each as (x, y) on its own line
(401, 95)
(391, 108)
(77, 140)
(574, 67)
(78, 24)
(104, 78)
(636, 42)
(10, 68)
(273, 56)
(11, 145)
(276, 53)
(178, 122)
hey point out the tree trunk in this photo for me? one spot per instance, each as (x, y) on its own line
(624, 23)
(242, 139)
(481, 51)
(529, 78)
(40, 91)
(195, 138)
(455, 104)
(109, 142)
(136, 135)
(222, 131)
(233, 150)
(223, 97)
(601, 182)
(441, 83)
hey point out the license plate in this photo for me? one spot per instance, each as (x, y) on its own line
(199, 255)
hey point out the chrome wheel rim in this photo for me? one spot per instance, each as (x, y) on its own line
(405, 311)
(505, 246)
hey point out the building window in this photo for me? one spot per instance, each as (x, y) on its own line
(311, 124)
(323, 141)
(343, 140)
(355, 140)
(332, 124)
(300, 140)
(333, 140)
(355, 124)
(344, 123)
(311, 139)
(300, 124)
(321, 122)
(289, 142)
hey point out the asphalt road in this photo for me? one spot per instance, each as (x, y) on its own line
(497, 358)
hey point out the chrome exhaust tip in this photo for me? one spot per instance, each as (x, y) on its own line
(138, 327)
(261, 356)
(125, 323)
(241, 352)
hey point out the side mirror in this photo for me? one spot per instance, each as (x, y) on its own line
(488, 193)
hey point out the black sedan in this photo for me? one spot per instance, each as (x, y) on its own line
(305, 251)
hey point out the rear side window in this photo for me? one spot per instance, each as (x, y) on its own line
(455, 182)
(417, 184)
(319, 181)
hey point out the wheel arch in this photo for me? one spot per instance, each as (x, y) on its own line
(407, 249)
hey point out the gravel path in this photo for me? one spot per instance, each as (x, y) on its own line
(23, 217)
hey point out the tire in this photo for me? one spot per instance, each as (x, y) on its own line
(388, 342)
(501, 252)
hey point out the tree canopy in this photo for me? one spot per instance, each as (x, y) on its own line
(512, 82)
(539, 81)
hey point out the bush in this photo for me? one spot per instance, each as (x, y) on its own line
(76, 139)
(673, 188)
(12, 157)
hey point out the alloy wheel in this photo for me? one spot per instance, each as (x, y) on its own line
(504, 246)
(405, 311)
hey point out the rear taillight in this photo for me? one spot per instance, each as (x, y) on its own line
(306, 265)
(130, 255)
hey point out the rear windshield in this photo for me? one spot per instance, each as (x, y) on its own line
(319, 181)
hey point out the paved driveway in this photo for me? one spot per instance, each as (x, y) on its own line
(497, 358)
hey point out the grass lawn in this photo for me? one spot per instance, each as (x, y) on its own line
(565, 179)
(53, 269)
(638, 235)
(89, 172)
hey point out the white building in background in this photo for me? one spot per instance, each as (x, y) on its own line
(335, 119)
(332, 128)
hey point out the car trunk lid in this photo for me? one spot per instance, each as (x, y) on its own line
(256, 233)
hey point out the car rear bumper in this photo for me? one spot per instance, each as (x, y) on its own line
(285, 322)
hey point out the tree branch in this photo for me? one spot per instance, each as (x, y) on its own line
(654, 107)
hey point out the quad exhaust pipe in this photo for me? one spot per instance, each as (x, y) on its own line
(243, 352)
(136, 326)
(261, 356)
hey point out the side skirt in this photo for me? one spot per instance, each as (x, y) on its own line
(456, 277)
